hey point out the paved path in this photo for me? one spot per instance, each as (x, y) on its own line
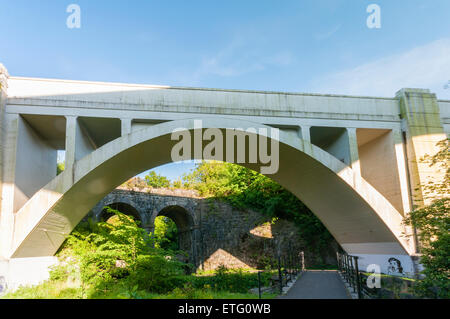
(318, 284)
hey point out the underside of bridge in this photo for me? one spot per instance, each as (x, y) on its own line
(335, 165)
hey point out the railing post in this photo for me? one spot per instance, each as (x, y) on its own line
(352, 274)
(259, 284)
(338, 257)
(358, 279)
(291, 265)
(347, 269)
(303, 261)
(280, 278)
(344, 261)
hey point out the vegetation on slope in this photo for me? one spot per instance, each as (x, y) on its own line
(432, 223)
(118, 259)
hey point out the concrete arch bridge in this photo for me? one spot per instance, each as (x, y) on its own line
(352, 160)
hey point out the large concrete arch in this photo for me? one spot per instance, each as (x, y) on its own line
(357, 215)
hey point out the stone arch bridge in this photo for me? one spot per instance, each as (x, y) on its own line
(211, 232)
(353, 160)
(185, 211)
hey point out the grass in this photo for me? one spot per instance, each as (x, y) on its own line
(205, 285)
(47, 290)
(63, 290)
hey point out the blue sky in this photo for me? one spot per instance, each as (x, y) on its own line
(301, 46)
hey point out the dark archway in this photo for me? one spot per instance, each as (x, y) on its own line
(124, 208)
(185, 224)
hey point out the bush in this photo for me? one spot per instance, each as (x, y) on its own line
(104, 254)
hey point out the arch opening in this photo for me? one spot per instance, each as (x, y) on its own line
(166, 233)
(184, 223)
(124, 208)
(359, 218)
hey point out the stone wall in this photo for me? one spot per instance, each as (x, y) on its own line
(212, 232)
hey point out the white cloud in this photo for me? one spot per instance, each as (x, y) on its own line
(427, 66)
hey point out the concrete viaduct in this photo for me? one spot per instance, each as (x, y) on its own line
(353, 160)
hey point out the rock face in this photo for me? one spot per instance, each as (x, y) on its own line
(212, 232)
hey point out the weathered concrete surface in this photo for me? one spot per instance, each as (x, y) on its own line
(318, 284)
(421, 114)
(18, 272)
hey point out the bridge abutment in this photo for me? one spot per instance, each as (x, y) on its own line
(423, 129)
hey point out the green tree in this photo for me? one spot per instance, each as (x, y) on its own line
(432, 223)
(156, 180)
(178, 184)
(60, 168)
(166, 233)
(116, 253)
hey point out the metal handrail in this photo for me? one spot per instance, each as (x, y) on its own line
(287, 268)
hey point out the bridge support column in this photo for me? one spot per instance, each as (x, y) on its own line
(422, 131)
(126, 126)
(306, 135)
(6, 217)
(402, 171)
(78, 142)
(3, 95)
(9, 149)
(71, 127)
(353, 148)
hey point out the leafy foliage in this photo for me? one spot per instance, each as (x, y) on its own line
(433, 223)
(166, 233)
(60, 168)
(117, 259)
(157, 181)
(116, 251)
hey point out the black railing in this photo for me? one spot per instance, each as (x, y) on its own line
(393, 286)
(285, 269)
(348, 267)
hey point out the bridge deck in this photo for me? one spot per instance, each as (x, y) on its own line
(318, 285)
